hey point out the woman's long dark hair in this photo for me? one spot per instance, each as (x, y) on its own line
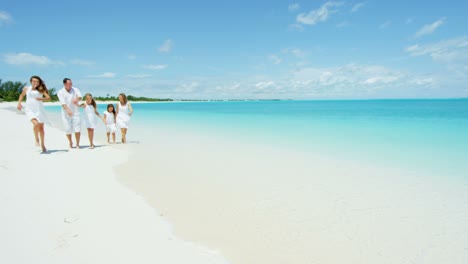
(42, 88)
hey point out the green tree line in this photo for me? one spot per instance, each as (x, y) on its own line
(131, 98)
(10, 91)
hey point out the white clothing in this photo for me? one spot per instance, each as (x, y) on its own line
(110, 122)
(66, 98)
(123, 117)
(110, 118)
(90, 116)
(70, 123)
(34, 109)
(110, 128)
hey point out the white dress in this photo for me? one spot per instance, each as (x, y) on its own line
(90, 116)
(123, 118)
(34, 109)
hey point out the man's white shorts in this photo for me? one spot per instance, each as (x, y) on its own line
(71, 124)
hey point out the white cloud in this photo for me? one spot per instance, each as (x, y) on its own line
(293, 7)
(138, 75)
(5, 18)
(430, 28)
(24, 58)
(318, 15)
(274, 59)
(422, 81)
(342, 24)
(446, 51)
(82, 62)
(296, 27)
(385, 25)
(294, 51)
(357, 6)
(264, 85)
(155, 67)
(167, 46)
(104, 75)
(351, 80)
(380, 79)
(187, 87)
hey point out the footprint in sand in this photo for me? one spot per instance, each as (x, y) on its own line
(3, 166)
(71, 219)
(64, 240)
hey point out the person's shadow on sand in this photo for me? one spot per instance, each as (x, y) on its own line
(53, 151)
(95, 147)
(128, 142)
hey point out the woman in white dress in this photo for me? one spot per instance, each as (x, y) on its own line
(124, 111)
(34, 110)
(91, 112)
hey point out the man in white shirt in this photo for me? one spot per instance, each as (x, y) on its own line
(69, 98)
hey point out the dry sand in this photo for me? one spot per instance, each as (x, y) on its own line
(66, 206)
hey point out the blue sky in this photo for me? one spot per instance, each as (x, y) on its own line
(240, 49)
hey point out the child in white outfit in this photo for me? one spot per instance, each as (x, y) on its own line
(109, 119)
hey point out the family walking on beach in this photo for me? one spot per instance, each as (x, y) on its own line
(70, 100)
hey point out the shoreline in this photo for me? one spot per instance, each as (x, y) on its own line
(260, 204)
(51, 214)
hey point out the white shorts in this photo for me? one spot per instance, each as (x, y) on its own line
(110, 128)
(71, 124)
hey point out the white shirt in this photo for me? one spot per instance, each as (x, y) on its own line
(110, 118)
(67, 97)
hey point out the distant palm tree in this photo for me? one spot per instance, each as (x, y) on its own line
(53, 94)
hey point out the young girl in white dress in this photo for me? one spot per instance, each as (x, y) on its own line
(34, 110)
(124, 111)
(109, 120)
(91, 112)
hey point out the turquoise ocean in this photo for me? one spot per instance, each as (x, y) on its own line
(427, 136)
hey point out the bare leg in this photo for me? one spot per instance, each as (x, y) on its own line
(124, 135)
(41, 135)
(90, 137)
(36, 130)
(70, 140)
(77, 138)
(36, 136)
(113, 138)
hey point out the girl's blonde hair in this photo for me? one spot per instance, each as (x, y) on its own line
(124, 98)
(93, 103)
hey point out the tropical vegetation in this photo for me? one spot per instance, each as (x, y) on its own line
(10, 91)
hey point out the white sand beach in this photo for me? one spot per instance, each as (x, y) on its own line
(181, 197)
(262, 204)
(66, 206)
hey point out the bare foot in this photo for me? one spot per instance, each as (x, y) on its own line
(91, 147)
(37, 143)
(44, 149)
